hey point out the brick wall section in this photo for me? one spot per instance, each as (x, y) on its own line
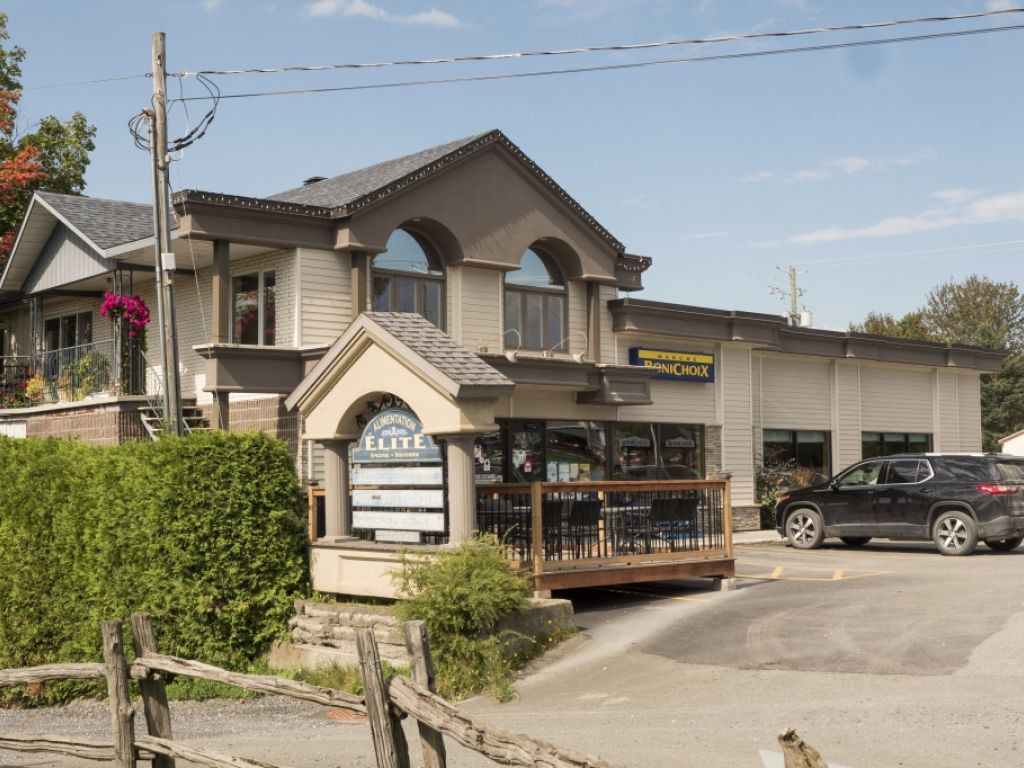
(110, 425)
(266, 414)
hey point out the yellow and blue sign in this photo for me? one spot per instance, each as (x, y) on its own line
(677, 366)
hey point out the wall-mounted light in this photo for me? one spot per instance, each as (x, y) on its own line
(513, 354)
(577, 356)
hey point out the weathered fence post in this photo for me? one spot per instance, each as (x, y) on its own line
(122, 716)
(389, 743)
(537, 535)
(154, 695)
(798, 753)
(422, 666)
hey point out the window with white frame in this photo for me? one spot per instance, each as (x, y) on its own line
(254, 308)
(536, 304)
(409, 277)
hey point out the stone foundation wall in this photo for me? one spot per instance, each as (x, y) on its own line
(746, 518)
(324, 633)
(712, 450)
(111, 424)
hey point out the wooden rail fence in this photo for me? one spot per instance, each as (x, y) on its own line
(385, 702)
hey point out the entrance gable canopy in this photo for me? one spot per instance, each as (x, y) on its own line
(450, 389)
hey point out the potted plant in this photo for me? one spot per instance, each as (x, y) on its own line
(130, 316)
(35, 389)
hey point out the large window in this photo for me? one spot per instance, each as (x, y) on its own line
(254, 309)
(874, 444)
(787, 449)
(67, 331)
(570, 451)
(535, 304)
(409, 277)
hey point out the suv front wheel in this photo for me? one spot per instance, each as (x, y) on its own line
(804, 529)
(955, 533)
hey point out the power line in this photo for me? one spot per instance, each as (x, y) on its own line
(86, 82)
(605, 48)
(613, 67)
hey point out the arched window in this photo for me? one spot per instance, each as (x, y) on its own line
(535, 303)
(409, 277)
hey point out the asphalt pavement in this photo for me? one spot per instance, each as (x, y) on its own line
(888, 655)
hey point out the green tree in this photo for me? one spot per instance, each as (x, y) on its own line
(52, 157)
(1002, 402)
(977, 311)
(980, 312)
(910, 326)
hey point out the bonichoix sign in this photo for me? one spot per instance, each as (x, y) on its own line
(395, 437)
(677, 366)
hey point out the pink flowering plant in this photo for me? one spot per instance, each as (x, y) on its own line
(133, 314)
(131, 309)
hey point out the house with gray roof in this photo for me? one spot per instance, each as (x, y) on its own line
(464, 286)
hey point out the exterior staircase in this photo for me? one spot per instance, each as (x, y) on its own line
(153, 419)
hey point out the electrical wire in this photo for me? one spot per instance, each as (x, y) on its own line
(140, 136)
(609, 48)
(86, 82)
(614, 67)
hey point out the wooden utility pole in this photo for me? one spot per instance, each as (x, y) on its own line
(164, 256)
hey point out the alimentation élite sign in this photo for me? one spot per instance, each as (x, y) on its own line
(677, 366)
(395, 437)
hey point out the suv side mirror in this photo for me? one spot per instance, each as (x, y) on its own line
(833, 485)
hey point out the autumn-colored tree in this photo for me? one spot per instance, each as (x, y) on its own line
(53, 157)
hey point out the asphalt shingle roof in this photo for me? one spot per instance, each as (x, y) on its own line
(437, 348)
(341, 190)
(106, 222)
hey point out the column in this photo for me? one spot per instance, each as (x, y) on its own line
(221, 332)
(461, 489)
(361, 262)
(337, 511)
(594, 314)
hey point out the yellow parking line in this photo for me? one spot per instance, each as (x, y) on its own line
(836, 576)
(777, 572)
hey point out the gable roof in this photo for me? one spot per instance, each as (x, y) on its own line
(349, 187)
(105, 223)
(343, 195)
(423, 346)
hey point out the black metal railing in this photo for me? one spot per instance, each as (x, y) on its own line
(606, 519)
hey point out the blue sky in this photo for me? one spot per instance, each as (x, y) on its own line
(879, 172)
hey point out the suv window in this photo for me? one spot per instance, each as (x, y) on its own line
(970, 469)
(1010, 471)
(908, 471)
(862, 474)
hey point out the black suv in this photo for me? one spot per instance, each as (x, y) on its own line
(952, 499)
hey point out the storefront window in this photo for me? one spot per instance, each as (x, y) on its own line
(571, 451)
(657, 452)
(786, 449)
(576, 451)
(875, 444)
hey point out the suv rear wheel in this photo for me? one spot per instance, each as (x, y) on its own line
(955, 533)
(1004, 545)
(804, 529)
(855, 541)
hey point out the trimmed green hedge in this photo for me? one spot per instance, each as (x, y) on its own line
(205, 532)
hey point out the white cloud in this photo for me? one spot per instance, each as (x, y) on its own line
(1000, 5)
(759, 176)
(211, 5)
(814, 175)
(367, 10)
(957, 196)
(849, 164)
(968, 210)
